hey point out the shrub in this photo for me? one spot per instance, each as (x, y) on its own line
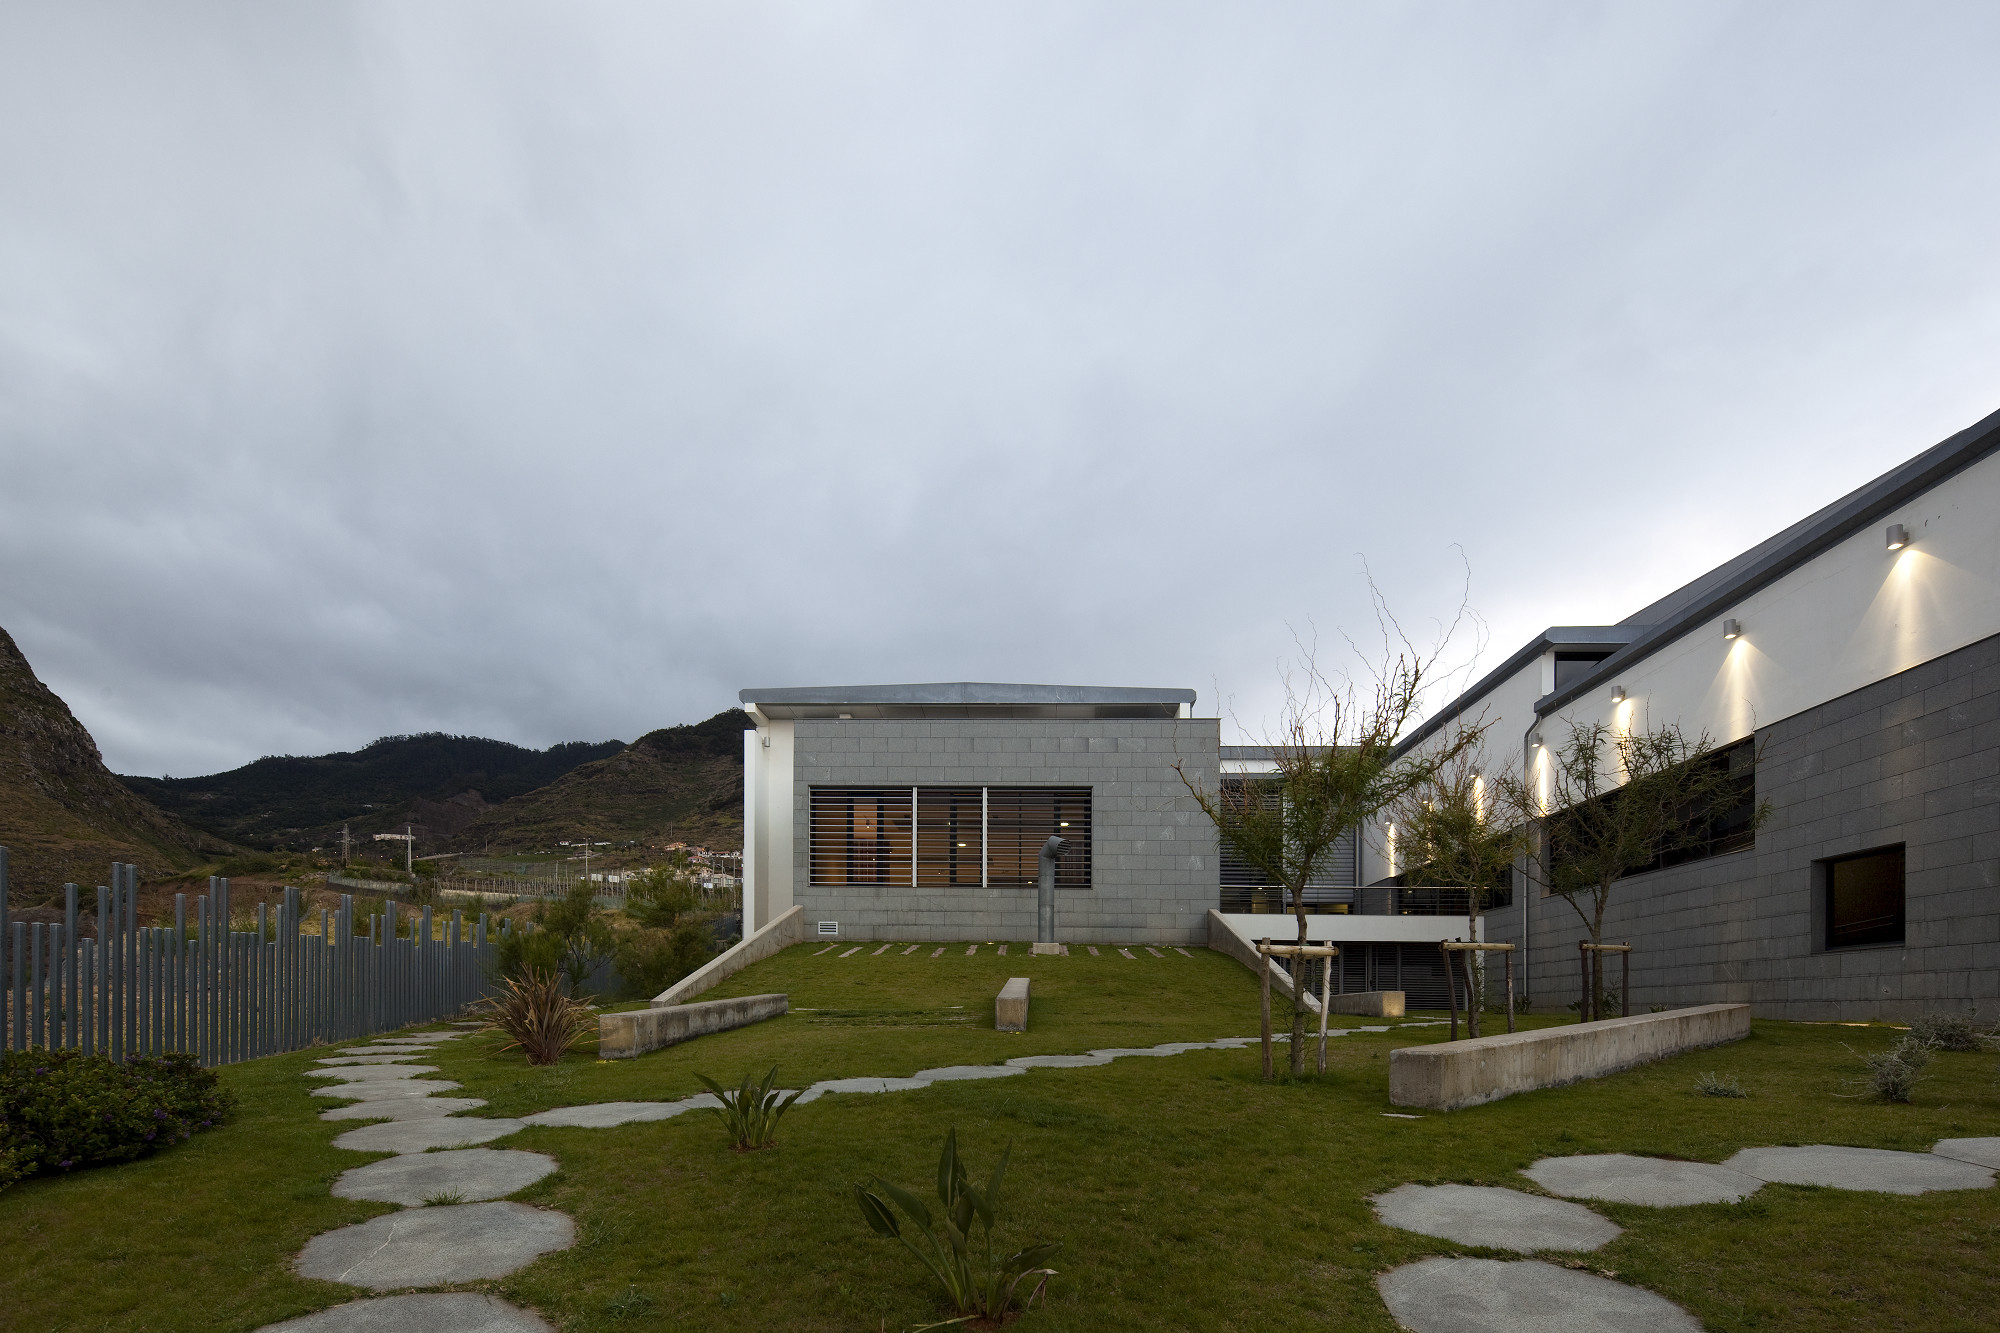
(60, 1110)
(979, 1285)
(649, 961)
(1712, 1085)
(537, 1014)
(751, 1112)
(1894, 1074)
(1947, 1032)
(569, 939)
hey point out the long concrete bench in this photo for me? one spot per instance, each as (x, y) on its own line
(1372, 1003)
(621, 1036)
(1455, 1074)
(1010, 1006)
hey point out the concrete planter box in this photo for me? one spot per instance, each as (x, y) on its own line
(1369, 1003)
(1456, 1074)
(634, 1032)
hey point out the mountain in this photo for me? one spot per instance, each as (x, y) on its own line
(437, 782)
(680, 784)
(63, 815)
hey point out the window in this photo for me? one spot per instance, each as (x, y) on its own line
(946, 837)
(1248, 889)
(1864, 898)
(1020, 819)
(861, 837)
(1575, 666)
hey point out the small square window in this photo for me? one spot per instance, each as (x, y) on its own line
(1864, 898)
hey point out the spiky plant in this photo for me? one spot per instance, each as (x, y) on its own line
(537, 1014)
(979, 1284)
(751, 1111)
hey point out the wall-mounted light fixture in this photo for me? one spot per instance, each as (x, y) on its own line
(1732, 629)
(1899, 536)
(1536, 741)
(1618, 694)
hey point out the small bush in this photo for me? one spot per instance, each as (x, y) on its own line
(537, 1014)
(60, 1110)
(1894, 1074)
(1947, 1032)
(750, 1113)
(1712, 1085)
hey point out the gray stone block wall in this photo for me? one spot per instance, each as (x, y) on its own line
(1912, 759)
(1155, 871)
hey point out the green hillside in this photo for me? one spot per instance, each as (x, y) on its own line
(677, 784)
(63, 815)
(439, 783)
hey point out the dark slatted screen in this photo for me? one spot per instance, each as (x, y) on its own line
(861, 837)
(1020, 819)
(949, 841)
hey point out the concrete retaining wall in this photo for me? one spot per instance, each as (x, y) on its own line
(787, 930)
(1456, 1074)
(634, 1032)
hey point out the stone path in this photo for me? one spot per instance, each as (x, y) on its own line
(1861, 1169)
(464, 1236)
(437, 1312)
(1495, 1219)
(1652, 1181)
(1499, 1296)
(1494, 1296)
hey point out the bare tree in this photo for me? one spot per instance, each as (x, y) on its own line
(1620, 802)
(1336, 768)
(1458, 829)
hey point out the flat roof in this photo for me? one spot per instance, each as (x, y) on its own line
(966, 699)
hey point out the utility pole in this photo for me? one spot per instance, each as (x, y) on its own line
(409, 849)
(343, 846)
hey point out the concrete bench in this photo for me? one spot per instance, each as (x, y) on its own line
(1454, 1074)
(633, 1032)
(1371, 1003)
(1010, 1007)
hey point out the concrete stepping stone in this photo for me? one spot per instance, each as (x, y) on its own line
(393, 1050)
(387, 1089)
(428, 1247)
(1058, 1061)
(373, 1073)
(1617, 1177)
(426, 1312)
(403, 1108)
(471, 1173)
(373, 1058)
(416, 1136)
(1876, 1169)
(603, 1115)
(821, 1089)
(1980, 1152)
(1499, 1219)
(965, 1073)
(1522, 1296)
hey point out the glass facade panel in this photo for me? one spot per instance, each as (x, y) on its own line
(861, 837)
(950, 838)
(1020, 819)
(932, 836)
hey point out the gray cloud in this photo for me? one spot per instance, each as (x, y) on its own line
(550, 373)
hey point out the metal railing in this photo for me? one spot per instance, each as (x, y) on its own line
(206, 986)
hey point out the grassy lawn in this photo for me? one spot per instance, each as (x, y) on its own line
(1187, 1193)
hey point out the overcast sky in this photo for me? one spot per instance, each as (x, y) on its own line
(551, 372)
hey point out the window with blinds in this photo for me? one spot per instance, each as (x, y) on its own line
(1248, 889)
(1020, 819)
(945, 837)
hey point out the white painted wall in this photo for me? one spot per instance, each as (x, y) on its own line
(1854, 615)
(767, 821)
(1857, 614)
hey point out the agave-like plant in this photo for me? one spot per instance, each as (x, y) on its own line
(537, 1014)
(979, 1283)
(751, 1111)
